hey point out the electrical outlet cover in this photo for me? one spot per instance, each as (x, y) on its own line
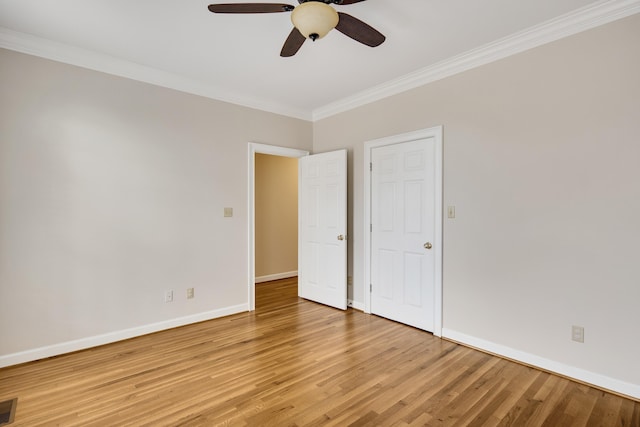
(168, 296)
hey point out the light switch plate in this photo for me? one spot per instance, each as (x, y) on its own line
(451, 212)
(577, 333)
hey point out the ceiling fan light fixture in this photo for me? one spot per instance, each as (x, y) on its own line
(314, 19)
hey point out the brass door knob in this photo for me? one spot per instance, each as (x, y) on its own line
(428, 245)
(341, 237)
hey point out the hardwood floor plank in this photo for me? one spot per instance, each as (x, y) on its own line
(605, 411)
(625, 415)
(296, 363)
(547, 396)
(581, 404)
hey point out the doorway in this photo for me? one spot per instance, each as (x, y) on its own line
(254, 149)
(403, 228)
(276, 217)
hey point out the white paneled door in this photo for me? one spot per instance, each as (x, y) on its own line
(322, 232)
(403, 226)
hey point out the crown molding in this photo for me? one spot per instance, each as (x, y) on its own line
(60, 52)
(583, 19)
(594, 15)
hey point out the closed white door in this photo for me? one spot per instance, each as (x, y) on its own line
(322, 233)
(402, 232)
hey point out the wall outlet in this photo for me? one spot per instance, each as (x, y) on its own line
(577, 333)
(190, 293)
(168, 296)
(228, 212)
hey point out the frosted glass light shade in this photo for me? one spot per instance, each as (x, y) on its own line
(314, 19)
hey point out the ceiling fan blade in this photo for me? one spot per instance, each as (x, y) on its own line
(345, 2)
(250, 7)
(293, 43)
(359, 31)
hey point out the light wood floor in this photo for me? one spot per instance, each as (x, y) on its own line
(293, 362)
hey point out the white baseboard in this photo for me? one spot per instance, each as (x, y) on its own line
(276, 276)
(598, 380)
(84, 343)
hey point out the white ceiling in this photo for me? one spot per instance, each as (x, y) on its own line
(179, 43)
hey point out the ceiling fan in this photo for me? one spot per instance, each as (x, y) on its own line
(311, 19)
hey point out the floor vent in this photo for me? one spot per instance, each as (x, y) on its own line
(7, 411)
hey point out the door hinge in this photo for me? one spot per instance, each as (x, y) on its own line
(370, 287)
(370, 227)
(370, 166)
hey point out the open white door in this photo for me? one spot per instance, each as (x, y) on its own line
(322, 233)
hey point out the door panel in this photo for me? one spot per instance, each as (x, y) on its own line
(403, 220)
(322, 265)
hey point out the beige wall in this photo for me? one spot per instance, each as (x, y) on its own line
(112, 192)
(541, 158)
(276, 207)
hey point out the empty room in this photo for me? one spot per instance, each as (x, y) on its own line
(354, 212)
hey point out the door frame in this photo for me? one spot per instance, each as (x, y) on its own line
(273, 150)
(436, 133)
